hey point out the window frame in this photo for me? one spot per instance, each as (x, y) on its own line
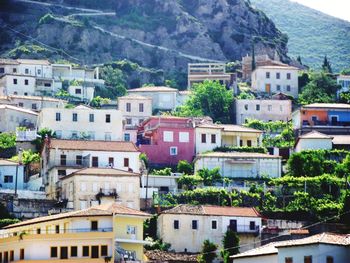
(176, 224)
(216, 224)
(108, 118)
(194, 225)
(54, 249)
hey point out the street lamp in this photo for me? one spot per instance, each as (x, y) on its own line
(19, 163)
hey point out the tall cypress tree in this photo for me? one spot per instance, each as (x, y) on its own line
(326, 66)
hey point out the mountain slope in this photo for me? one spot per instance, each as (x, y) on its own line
(312, 34)
(162, 34)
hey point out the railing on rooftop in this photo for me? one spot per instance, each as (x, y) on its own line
(244, 229)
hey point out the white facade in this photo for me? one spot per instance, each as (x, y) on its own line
(82, 92)
(344, 82)
(12, 117)
(275, 79)
(8, 173)
(68, 72)
(304, 144)
(35, 68)
(208, 137)
(17, 85)
(264, 110)
(240, 165)
(258, 259)
(83, 122)
(34, 103)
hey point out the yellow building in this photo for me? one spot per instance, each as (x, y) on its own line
(97, 234)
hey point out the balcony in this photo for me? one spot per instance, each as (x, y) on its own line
(107, 193)
(244, 229)
(26, 136)
(326, 123)
(27, 124)
(78, 163)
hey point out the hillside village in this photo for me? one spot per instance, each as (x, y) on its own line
(173, 131)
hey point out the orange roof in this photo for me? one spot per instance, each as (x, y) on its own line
(100, 172)
(209, 210)
(101, 210)
(110, 146)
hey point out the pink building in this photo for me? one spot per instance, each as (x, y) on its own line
(167, 140)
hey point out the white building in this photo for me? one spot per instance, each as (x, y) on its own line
(208, 137)
(69, 72)
(275, 79)
(8, 172)
(186, 227)
(84, 92)
(35, 103)
(62, 157)
(344, 82)
(12, 117)
(83, 122)
(240, 164)
(314, 140)
(93, 186)
(264, 110)
(325, 247)
(15, 84)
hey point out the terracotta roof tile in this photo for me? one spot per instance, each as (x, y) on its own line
(237, 128)
(110, 146)
(11, 107)
(315, 135)
(238, 155)
(341, 139)
(163, 256)
(153, 88)
(101, 172)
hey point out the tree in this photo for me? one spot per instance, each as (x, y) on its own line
(210, 177)
(114, 79)
(189, 182)
(184, 167)
(208, 253)
(299, 60)
(42, 134)
(209, 98)
(98, 101)
(7, 140)
(345, 72)
(326, 66)
(230, 244)
(28, 157)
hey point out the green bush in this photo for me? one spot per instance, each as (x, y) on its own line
(241, 149)
(8, 221)
(184, 167)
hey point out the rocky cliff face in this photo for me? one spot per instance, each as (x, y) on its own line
(164, 34)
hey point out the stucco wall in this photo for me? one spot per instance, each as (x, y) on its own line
(313, 144)
(208, 145)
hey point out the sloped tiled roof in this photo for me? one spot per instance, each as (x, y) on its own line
(4, 162)
(341, 139)
(101, 210)
(265, 250)
(10, 107)
(238, 155)
(328, 105)
(237, 128)
(34, 61)
(111, 146)
(315, 135)
(165, 256)
(209, 210)
(100, 172)
(153, 88)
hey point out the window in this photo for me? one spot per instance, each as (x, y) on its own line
(173, 151)
(20, 104)
(104, 251)
(176, 224)
(267, 75)
(39, 71)
(91, 117)
(47, 84)
(140, 107)
(184, 137)
(21, 254)
(288, 76)
(15, 81)
(63, 252)
(111, 161)
(204, 138)
(63, 159)
(127, 137)
(246, 107)
(214, 224)
(288, 260)
(128, 107)
(61, 172)
(330, 259)
(74, 251)
(53, 252)
(38, 231)
(249, 143)
(12, 255)
(281, 108)
(131, 230)
(128, 121)
(6, 257)
(8, 179)
(75, 117)
(94, 161)
(278, 87)
(126, 162)
(108, 118)
(257, 107)
(194, 224)
(34, 107)
(278, 75)
(0, 257)
(2, 70)
(94, 225)
(79, 160)
(95, 252)
(288, 87)
(58, 116)
(213, 138)
(314, 119)
(57, 229)
(14, 70)
(252, 225)
(77, 91)
(168, 136)
(92, 135)
(308, 259)
(269, 107)
(240, 143)
(86, 251)
(26, 82)
(26, 71)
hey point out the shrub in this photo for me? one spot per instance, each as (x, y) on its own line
(184, 167)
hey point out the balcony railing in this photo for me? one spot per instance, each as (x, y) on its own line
(108, 193)
(84, 162)
(244, 229)
(327, 123)
(26, 136)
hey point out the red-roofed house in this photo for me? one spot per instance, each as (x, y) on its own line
(186, 227)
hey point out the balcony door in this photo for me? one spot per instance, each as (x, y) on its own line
(268, 88)
(233, 225)
(94, 251)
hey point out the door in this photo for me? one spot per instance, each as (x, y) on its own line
(233, 225)
(94, 252)
(268, 88)
(64, 253)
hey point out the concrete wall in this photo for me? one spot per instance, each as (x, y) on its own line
(11, 119)
(258, 259)
(135, 114)
(160, 100)
(11, 171)
(86, 93)
(208, 145)
(313, 144)
(8, 87)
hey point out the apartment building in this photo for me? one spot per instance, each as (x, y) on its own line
(12, 117)
(34, 103)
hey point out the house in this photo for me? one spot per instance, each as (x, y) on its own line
(93, 186)
(12, 117)
(105, 233)
(208, 137)
(199, 72)
(11, 175)
(325, 247)
(15, 84)
(275, 79)
(262, 109)
(327, 118)
(166, 140)
(238, 136)
(82, 92)
(313, 140)
(163, 98)
(134, 109)
(63, 157)
(83, 122)
(186, 227)
(240, 164)
(344, 82)
(341, 142)
(35, 103)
